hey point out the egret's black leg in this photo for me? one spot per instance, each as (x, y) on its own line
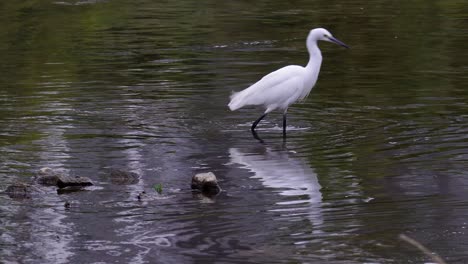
(254, 125)
(284, 125)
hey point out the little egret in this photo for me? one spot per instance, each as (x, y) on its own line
(281, 88)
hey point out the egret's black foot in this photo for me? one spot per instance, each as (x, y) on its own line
(255, 135)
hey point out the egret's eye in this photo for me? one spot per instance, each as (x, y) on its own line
(325, 35)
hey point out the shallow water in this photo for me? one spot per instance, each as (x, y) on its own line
(379, 148)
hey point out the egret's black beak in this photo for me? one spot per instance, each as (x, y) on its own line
(332, 39)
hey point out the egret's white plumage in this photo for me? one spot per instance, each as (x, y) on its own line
(281, 88)
(276, 90)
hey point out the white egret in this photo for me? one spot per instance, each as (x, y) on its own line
(281, 88)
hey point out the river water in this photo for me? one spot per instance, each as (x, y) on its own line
(380, 147)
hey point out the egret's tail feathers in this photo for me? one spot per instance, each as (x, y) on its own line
(236, 101)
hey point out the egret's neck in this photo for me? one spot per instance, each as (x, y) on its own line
(315, 56)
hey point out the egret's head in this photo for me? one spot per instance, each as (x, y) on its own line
(325, 35)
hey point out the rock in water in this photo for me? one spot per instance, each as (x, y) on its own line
(65, 181)
(206, 183)
(47, 176)
(70, 189)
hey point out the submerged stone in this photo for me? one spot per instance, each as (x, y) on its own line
(206, 183)
(122, 177)
(19, 191)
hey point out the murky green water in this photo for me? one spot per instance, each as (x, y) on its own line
(380, 147)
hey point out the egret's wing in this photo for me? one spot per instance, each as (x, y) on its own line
(283, 94)
(274, 88)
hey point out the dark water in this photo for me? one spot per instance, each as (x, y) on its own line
(380, 147)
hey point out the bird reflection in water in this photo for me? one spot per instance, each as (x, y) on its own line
(292, 176)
